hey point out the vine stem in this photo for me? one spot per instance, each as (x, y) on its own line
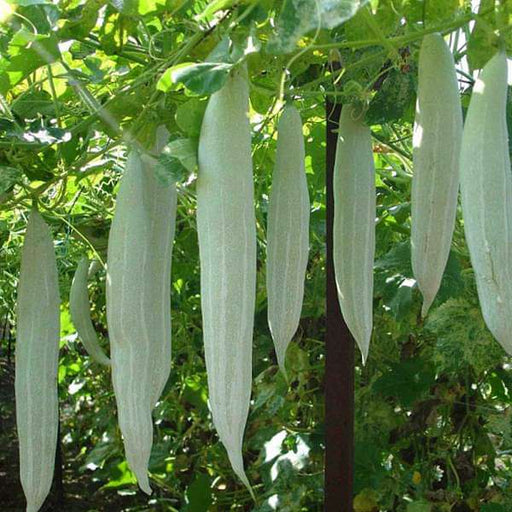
(407, 38)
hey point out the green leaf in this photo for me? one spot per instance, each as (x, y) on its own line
(493, 507)
(482, 41)
(127, 7)
(419, 506)
(121, 477)
(199, 494)
(29, 105)
(215, 6)
(177, 160)
(395, 99)
(25, 3)
(8, 177)
(41, 52)
(400, 304)
(200, 78)
(407, 381)
(299, 17)
(189, 116)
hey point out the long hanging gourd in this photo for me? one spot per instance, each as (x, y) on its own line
(81, 313)
(354, 225)
(287, 233)
(486, 186)
(138, 304)
(37, 352)
(227, 243)
(436, 149)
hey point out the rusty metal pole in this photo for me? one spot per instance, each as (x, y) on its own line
(339, 365)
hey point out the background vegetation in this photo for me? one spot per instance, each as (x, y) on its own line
(82, 80)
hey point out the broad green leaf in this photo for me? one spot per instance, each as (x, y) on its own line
(215, 6)
(8, 177)
(25, 3)
(199, 494)
(299, 17)
(419, 506)
(406, 381)
(177, 160)
(32, 104)
(127, 7)
(189, 116)
(121, 477)
(493, 507)
(201, 78)
(431, 10)
(41, 52)
(81, 26)
(482, 41)
(395, 99)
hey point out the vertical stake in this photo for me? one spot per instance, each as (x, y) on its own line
(339, 365)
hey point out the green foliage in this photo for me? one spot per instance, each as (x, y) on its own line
(433, 420)
(299, 17)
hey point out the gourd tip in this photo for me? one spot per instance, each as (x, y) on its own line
(364, 355)
(282, 367)
(425, 308)
(144, 485)
(249, 486)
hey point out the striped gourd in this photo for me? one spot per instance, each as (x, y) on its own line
(486, 186)
(37, 352)
(227, 243)
(81, 314)
(138, 304)
(436, 149)
(354, 225)
(287, 233)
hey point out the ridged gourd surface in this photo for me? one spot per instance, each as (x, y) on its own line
(486, 186)
(227, 242)
(79, 308)
(436, 149)
(138, 304)
(37, 352)
(354, 225)
(287, 233)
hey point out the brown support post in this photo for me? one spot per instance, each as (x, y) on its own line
(339, 365)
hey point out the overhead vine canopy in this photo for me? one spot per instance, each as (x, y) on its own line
(84, 83)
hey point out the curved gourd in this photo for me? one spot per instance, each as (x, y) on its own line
(486, 186)
(436, 149)
(81, 314)
(227, 243)
(354, 226)
(37, 352)
(94, 268)
(138, 304)
(287, 233)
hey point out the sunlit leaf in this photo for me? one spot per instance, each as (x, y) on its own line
(302, 16)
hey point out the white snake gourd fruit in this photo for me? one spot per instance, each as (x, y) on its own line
(486, 186)
(81, 314)
(287, 233)
(94, 268)
(138, 304)
(436, 149)
(354, 225)
(227, 243)
(37, 352)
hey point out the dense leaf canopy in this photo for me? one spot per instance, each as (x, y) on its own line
(83, 81)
